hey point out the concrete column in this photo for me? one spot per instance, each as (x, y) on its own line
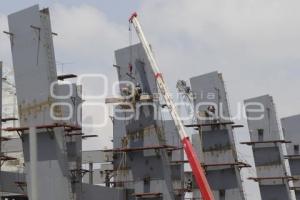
(91, 173)
(33, 162)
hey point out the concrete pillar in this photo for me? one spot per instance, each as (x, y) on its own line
(91, 174)
(33, 162)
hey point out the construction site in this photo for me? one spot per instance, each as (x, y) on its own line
(155, 153)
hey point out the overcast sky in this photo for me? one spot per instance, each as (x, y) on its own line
(254, 43)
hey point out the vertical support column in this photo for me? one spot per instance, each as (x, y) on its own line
(291, 127)
(33, 163)
(215, 141)
(33, 56)
(150, 173)
(268, 149)
(91, 174)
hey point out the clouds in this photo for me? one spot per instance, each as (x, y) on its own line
(252, 20)
(86, 37)
(255, 44)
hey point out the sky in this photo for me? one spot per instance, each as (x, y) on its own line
(255, 44)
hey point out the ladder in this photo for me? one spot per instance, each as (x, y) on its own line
(197, 169)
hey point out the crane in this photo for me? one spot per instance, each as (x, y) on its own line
(197, 169)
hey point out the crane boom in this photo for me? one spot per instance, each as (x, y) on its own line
(197, 169)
